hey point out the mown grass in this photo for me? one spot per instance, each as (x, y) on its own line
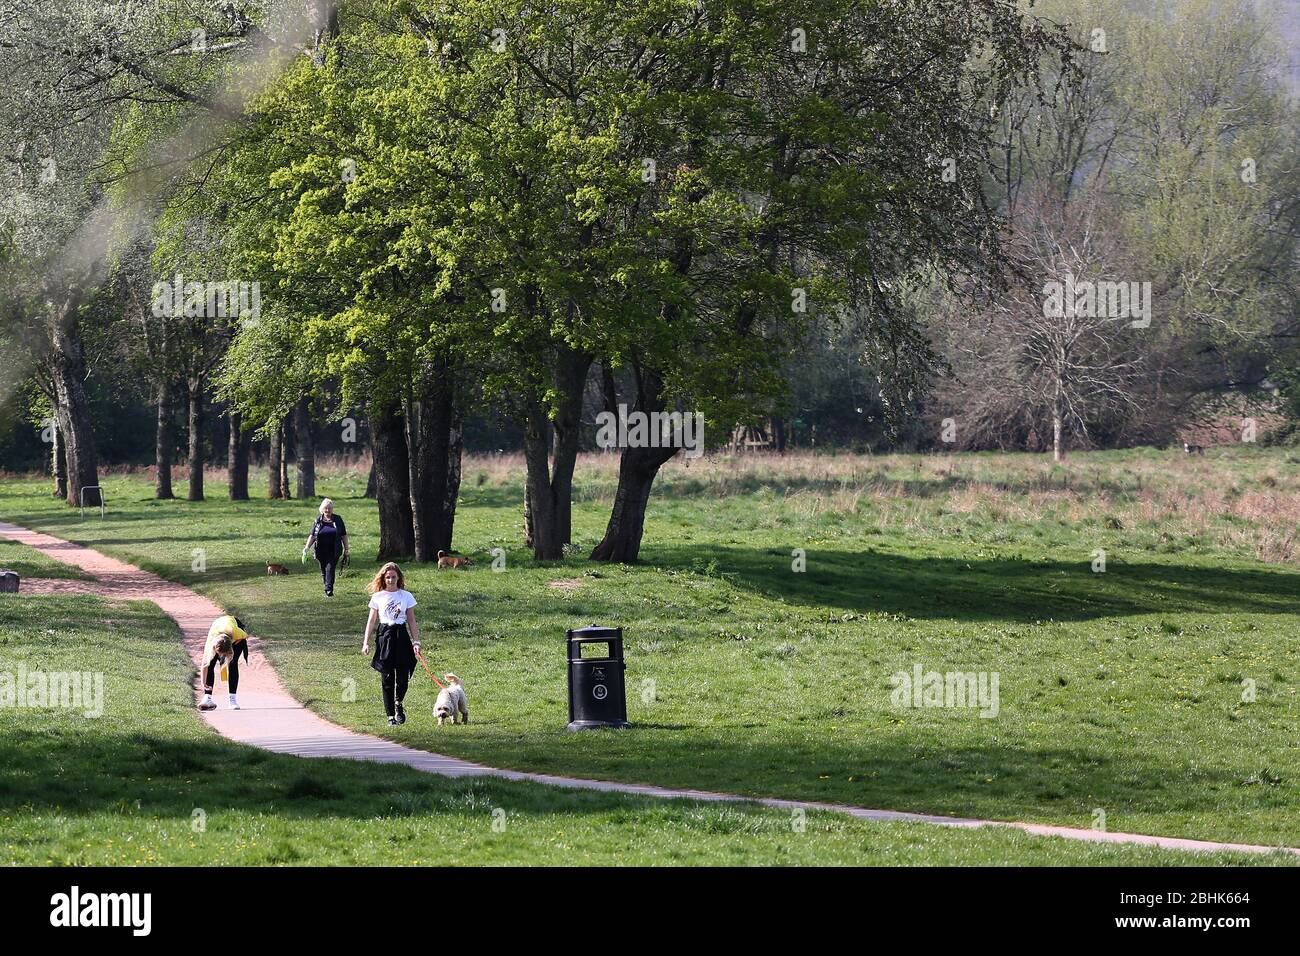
(29, 563)
(148, 783)
(1127, 691)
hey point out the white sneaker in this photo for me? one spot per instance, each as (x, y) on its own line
(206, 703)
(234, 703)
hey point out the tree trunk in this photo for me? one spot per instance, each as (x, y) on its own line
(58, 460)
(68, 372)
(305, 445)
(1056, 427)
(567, 422)
(286, 443)
(609, 393)
(237, 458)
(372, 484)
(638, 466)
(528, 516)
(434, 447)
(455, 453)
(70, 495)
(418, 475)
(778, 432)
(393, 482)
(273, 463)
(609, 390)
(550, 483)
(636, 474)
(440, 452)
(539, 502)
(164, 441)
(195, 395)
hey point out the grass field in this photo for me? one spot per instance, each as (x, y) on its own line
(1125, 691)
(29, 563)
(148, 783)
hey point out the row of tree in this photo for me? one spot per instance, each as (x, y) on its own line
(445, 207)
(499, 208)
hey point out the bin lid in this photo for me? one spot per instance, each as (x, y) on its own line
(594, 632)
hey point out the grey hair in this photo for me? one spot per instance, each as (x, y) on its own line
(324, 502)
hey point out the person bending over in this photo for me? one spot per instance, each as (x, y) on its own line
(227, 642)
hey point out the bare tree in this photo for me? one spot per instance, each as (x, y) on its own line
(1061, 352)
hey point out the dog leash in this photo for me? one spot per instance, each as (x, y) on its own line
(430, 673)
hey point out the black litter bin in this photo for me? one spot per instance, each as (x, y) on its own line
(596, 695)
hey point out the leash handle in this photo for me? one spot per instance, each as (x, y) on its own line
(430, 673)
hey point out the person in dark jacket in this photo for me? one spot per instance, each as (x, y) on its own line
(329, 536)
(392, 607)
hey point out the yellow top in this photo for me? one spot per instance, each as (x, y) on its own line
(224, 625)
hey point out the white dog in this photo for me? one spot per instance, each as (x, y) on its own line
(451, 701)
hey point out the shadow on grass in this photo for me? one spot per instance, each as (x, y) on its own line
(989, 588)
(30, 569)
(145, 775)
(863, 581)
(142, 774)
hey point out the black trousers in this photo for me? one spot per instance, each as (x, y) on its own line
(210, 675)
(394, 683)
(327, 567)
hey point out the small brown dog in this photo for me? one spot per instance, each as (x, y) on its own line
(446, 560)
(276, 569)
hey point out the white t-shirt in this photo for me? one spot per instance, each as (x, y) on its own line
(392, 605)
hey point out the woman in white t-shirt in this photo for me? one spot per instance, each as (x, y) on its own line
(393, 609)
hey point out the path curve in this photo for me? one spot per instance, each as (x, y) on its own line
(272, 719)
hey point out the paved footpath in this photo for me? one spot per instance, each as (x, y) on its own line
(272, 719)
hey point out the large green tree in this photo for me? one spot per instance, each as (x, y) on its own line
(846, 142)
(667, 186)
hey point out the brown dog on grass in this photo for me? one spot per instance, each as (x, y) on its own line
(446, 560)
(276, 569)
